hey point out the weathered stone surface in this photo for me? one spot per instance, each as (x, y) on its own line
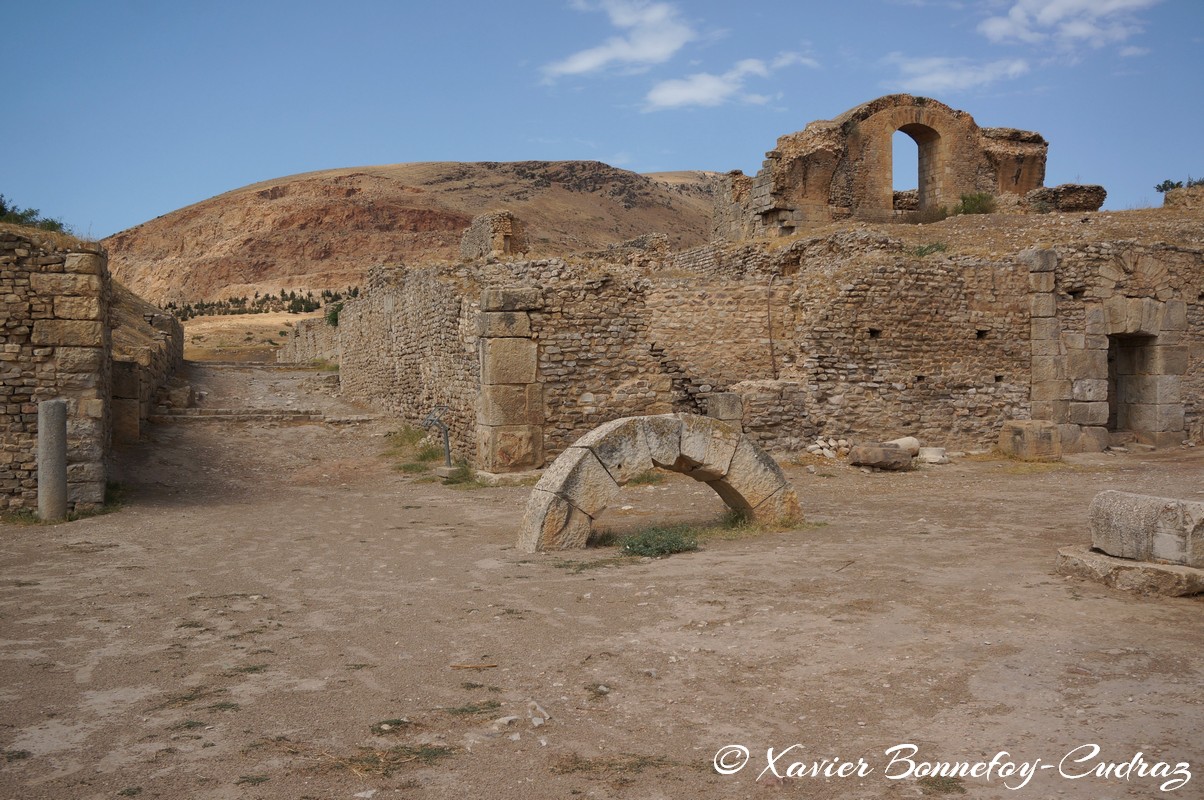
(127, 422)
(79, 359)
(663, 435)
(500, 324)
(1031, 440)
(727, 406)
(580, 478)
(55, 284)
(84, 263)
(1145, 577)
(781, 508)
(752, 478)
(509, 448)
(511, 298)
(1068, 197)
(511, 404)
(552, 523)
(508, 361)
(622, 447)
(68, 333)
(707, 447)
(1148, 528)
(880, 456)
(932, 455)
(909, 443)
(77, 308)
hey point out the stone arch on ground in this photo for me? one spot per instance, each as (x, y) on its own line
(584, 479)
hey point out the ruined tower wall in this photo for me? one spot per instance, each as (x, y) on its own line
(54, 343)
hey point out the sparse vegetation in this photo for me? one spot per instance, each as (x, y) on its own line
(1168, 184)
(975, 203)
(660, 541)
(929, 249)
(648, 478)
(287, 300)
(29, 217)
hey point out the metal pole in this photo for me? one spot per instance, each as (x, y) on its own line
(52, 460)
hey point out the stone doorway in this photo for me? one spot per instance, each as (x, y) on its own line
(928, 181)
(1128, 386)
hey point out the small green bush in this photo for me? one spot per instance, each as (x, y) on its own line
(332, 314)
(658, 541)
(929, 249)
(647, 478)
(975, 203)
(429, 452)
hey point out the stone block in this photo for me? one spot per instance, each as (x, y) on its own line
(1174, 315)
(79, 359)
(1044, 328)
(511, 298)
(1073, 341)
(707, 447)
(1048, 368)
(1093, 439)
(1161, 360)
(1087, 364)
(1095, 322)
(1151, 389)
(1039, 260)
(881, 456)
(502, 324)
(727, 406)
(580, 478)
(621, 446)
(1146, 528)
(1155, 417)
(1051, 390)
(552, 523)
(1031, 440)
(58, 283)
(908, 443)
(68, 333)
(77, 307)
(511, 404)
(509, 448)
(663, 435)
(1048, 347)
(1170, 580)
(780, 509)
(508, 361)
(1090, 390)
(91, 407)
(86, 473)
(1042, 305)
(84, 263)
(752, 478)
(1088, 413)
(1041, 282)
(1069, 435)
(86, 496)
(1051, 410)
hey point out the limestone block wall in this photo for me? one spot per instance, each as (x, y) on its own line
(1118, 342)
(312, 340)
(409, 343)
(499, 233)
(148, 348)
(54, 343)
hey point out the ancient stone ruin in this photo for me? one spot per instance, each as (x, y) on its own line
(842, 168)
(71, 333)
(494, 235)
(585, 478)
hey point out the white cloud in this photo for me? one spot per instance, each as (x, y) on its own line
(709, 90)
(934, 75)
(654, 32)
(1131, 51)
(1067, 23)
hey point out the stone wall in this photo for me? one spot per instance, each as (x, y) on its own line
(148, 348)
(54, 343)
(495, 235)
(312, 340)
(409, 343)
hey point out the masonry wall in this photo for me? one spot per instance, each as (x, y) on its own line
(54, 343)
(312, 340)
(409, 343)
(148, 348)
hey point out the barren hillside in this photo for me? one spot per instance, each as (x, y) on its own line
(325, 229)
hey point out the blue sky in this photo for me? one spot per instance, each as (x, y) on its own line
(119, 111)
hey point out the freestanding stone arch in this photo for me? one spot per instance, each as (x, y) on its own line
(585, 478)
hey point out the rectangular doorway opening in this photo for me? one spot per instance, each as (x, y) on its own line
(1128, 359)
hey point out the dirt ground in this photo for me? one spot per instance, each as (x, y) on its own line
(276, 612)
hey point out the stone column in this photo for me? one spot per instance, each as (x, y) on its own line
(510, 413)
(52, 460)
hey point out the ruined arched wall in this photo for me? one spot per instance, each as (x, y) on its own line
(840, 168)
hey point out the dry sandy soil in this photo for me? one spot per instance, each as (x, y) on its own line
(239, 337)
(278, 613)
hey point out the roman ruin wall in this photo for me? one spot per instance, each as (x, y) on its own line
(55, 344)
(311, 340)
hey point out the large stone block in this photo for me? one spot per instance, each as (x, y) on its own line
(1048, 368)
(1088, 413)
(1041, 282)
(1039, 260)
(1174, 315)
(77, 307)
(511, 298)
(663, 435)
(727, 406)
(1031, 440)
(1044, 328)
(552, 523)
(68, 333)
(79, 359)
(1151, 389)
(511, 404)
(880, 456)
(509, 448)
(1051, 410)
(1148, 528)
(508, 361)
(58, 283)
(621, 446)
(752, 478)
(707, 447)
(1144, 577)
(1161, 360)
(580, 478)
(1087, 364)
(1095, 321)
(1051, 390)
(1090, 390)
(500, 324)
(84, 263)
(1160, 417)
(1042, 305)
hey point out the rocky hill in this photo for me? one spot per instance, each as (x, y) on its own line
(325, 229)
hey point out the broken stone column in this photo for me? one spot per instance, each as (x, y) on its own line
(510, 413)
(52, 460)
